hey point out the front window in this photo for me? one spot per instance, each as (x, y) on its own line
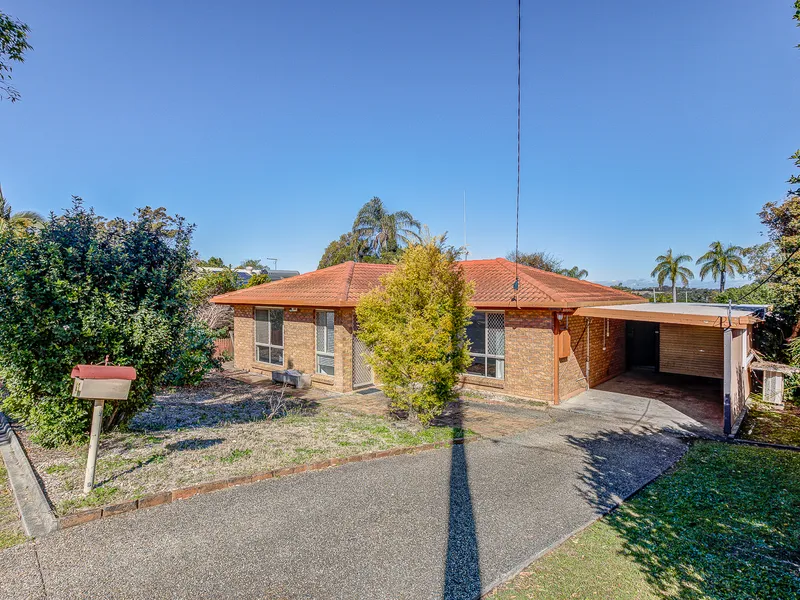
(325, 342)
(269, 336)
(487, 335)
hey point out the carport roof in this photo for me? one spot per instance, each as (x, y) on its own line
(681, 313)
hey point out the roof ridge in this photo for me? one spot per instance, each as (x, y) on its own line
(546, 290)
(348, 280)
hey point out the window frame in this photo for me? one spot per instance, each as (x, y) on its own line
(269, 345)
(485, 355)
(329, 352)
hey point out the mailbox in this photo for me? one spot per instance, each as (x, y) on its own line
(102, 382)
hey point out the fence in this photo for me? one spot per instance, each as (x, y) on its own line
(223, 346)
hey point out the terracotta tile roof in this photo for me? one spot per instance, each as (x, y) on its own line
(344, 284)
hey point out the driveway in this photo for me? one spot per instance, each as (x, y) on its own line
(675, 403)
(448, 523)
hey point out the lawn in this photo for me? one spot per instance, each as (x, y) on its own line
(766, 423)
(725, 523)
(217, 430)
(10, 526)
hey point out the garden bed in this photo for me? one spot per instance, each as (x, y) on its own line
(724, 523)
(216, 430)
(10, 525)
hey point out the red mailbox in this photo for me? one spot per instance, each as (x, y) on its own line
(99, 383)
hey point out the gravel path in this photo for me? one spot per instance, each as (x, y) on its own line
(441, 524)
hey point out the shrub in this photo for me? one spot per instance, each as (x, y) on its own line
(257, 279)
(81, 289)
(415, 326)
(193, 357)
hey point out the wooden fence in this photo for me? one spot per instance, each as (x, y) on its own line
(223, 346)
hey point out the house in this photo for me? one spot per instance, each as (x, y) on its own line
(551, 339)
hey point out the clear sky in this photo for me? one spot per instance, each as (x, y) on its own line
(269, 123)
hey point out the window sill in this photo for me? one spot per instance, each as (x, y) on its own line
(324, 379)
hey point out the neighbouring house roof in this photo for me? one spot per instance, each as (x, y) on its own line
(680, 313)
(343, 284)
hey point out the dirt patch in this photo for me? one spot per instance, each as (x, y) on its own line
(216, 430)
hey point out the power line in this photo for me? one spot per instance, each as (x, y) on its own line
(768, 277)
(519, 131)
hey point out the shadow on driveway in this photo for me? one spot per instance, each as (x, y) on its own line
(462, 575)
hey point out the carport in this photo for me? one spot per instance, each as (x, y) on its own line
(690, 358)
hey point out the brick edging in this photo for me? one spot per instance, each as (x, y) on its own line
(183, 493)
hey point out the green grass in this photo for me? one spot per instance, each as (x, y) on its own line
(764, 423)
(725, 523)
(10, 527)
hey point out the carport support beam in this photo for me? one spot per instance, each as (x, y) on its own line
(727, 425)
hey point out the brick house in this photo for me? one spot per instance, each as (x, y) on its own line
(526, 342)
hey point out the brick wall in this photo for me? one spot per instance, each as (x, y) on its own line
(606, 354)
(528, 360)
(299, 345)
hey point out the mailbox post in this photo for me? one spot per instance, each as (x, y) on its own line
(99, 383)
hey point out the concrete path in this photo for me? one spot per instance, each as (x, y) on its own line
(441, 524)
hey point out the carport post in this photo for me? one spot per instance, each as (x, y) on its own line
(726, 386)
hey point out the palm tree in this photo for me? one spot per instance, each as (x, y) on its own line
(575, 272)
(721, 261)
(670, 267)
(383, 231)
(17, 221)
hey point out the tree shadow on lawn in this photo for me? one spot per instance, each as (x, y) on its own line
(462, 576)
(723, 523)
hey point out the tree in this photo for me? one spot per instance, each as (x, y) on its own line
(257, 279)
(13, 46)
(760, 259)
(204, 285)
(538, 260)
(18, 222)
(345, 249)
(253, 263)
(575, 273)
(213, 261)
(384, 231)
(82, 289)
(721, 261)
(415, 326)
(670, 267)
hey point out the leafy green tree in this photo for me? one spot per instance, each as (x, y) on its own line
(760, 259)
(346, 248)
(415, 326)
(82, 289)
(383, 231)
(670, 267)
(721, 261)
(575, 273)
(204, 285)
(17, 222)
(257, 279)
(13, 46)
(213, 261)
(538, 260)
(253, 263)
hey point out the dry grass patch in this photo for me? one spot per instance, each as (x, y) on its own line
(219, 429)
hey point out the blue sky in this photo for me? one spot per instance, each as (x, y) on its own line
(268, 124)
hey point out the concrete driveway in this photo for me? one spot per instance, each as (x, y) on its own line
(448, 523)
(673, 403)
